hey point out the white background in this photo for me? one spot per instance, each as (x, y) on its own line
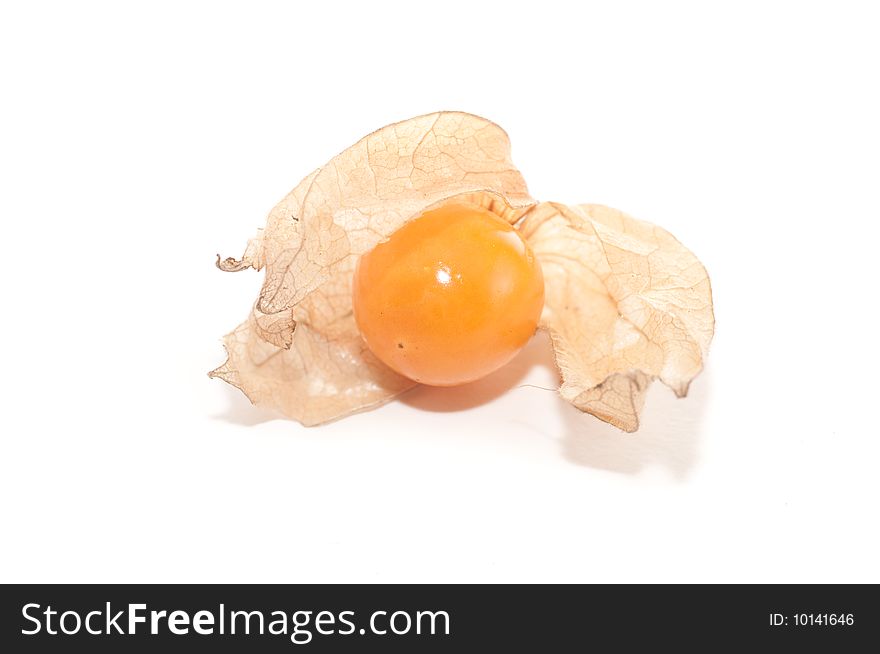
(137, 141)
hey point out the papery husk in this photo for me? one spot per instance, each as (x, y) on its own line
(625, 303)
(300, 351)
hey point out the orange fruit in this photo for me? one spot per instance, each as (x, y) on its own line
(450, 297)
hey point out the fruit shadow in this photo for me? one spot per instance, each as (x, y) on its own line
(669, 434)
(537, 352)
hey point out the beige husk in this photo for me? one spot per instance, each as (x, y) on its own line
(626, 303)
(300, 351)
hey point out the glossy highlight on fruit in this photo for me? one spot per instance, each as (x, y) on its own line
(450, 297)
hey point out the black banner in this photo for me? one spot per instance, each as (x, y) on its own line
(418, 618)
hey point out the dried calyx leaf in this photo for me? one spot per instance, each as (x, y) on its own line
(300, 350)
(625, 303)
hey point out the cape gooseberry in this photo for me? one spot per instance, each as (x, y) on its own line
(450, 297)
